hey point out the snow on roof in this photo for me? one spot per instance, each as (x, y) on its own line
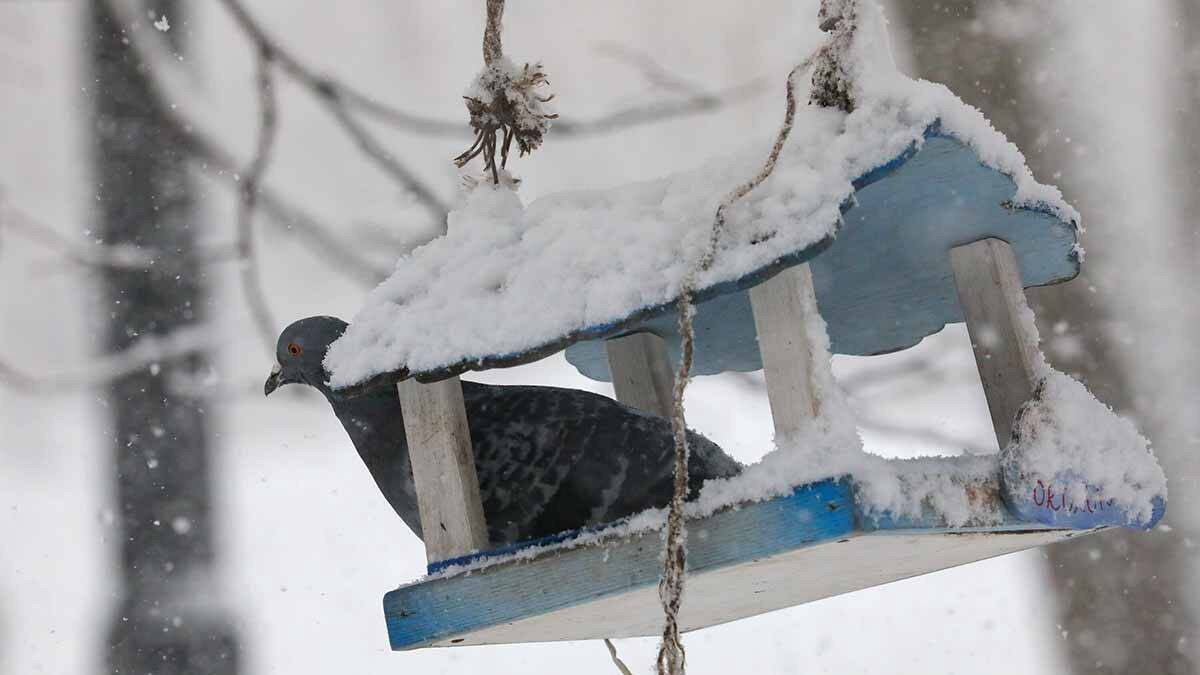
(510, 283)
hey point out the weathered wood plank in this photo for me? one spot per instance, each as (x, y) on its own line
(1005, 345)
(439, 441)
(641, 374)
(741, 562)
(780, 316)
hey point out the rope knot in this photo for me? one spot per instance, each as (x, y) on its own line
(507, 104)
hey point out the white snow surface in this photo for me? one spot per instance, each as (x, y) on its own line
(1065, 431)
(830, 447)
(1069, 437)
(510, 277)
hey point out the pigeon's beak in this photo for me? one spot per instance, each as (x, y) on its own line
(272, 380)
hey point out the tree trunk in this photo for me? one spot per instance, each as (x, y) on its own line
(167, 621)
(1123, 597)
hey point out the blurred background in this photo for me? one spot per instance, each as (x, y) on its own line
(158, 515)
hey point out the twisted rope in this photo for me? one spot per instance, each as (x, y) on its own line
(672, 657)
(493, 49)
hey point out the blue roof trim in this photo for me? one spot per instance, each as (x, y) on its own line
(884, 283)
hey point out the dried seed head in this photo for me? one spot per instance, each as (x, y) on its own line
(508, 101)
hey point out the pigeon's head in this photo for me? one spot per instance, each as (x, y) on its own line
(300, 352)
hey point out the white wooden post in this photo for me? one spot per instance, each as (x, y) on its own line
(443, 463)
(641, 373)
(780, 315)
(1005, 345)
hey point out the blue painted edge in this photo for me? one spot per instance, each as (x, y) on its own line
(1047, 502)
(433, 609)
(430, 610)
(439, 566)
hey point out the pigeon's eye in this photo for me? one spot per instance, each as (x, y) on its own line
(294, 349)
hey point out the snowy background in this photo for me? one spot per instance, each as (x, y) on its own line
(307, 546)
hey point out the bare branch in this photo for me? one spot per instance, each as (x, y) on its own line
(188, 120)
(112, 256)
(267, 128)
(651, 70)
(639, 115)
(329, 87)
(337, 99)
(147, 352)
(387, 161)
(696, 100)
(316, 234)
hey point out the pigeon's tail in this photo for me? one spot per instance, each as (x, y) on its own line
(706, 461)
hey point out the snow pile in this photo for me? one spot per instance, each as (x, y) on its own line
(1070, 447)
(510, 279)
(958, 491)
(827, 446)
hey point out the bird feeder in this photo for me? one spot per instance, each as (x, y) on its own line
(906, 215)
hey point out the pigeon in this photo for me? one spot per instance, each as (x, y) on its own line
(549, 460)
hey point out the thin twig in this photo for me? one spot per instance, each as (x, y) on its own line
(650, 113)
(337, 99)
(425, 125)
(200, 142)
(698, 102)
(143, 353)
(651, 69)
(314, 233)
(386, 160)
(268, 124)
(351, 96)
(123, 256)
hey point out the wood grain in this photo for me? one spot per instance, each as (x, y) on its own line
(780, 317)
(1006, 347)
(641, 374)
(439, 441)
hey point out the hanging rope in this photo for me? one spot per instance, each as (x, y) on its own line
(671, 655)
(612, 654)
(503, 102)
(832, 87)
(493, 48)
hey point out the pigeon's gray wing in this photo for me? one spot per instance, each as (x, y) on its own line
(554, 459)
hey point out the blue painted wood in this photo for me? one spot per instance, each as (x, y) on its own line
(885, 282)
(438, 609)
(1047, 502)
(423, 613)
